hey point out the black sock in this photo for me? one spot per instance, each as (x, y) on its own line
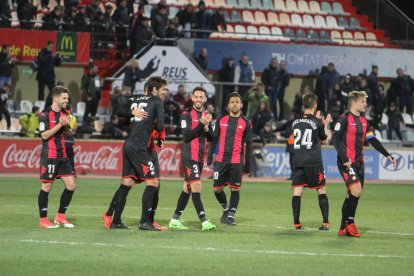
(154, 204)
(198, 205)
(147, 199)
(324, 205)
(296, 209)
(234, 202)
(120, 203)
(42, 200)
(111, 207)
(222, 199)
(181, 204)
(65, 200)
(352, 205)
(344, 213)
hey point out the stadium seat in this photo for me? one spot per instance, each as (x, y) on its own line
(326, 8)
(210, 4)
(338, 9)
(252, 33)
(236, 17)
(172, 12)
(313, 36)
(325, 37)
(233, 3)
(296, 20)
(248, 17)
(378, 135)
(25, 106)
(52, 4)
(336, 37)
(221, 3)
(308, 21)
(280, 5)
(408, 120)
(240, 31)
(14, 19)
(265, 33)
(331, 23)
(359, 38)
(256, 5)
(244, 4)
(40, 104)
(348, 38)
(193, 2)
(229, 33)
(354, 24)
(284, 19)
(320, 22)
(291, 6)
(268, 5)
(343, 22)
(272, 18)
(39, 20)
(384, 119)
(301, 35)
(277, 32)
(10, 105)
(260, 18)
(147, 10)
(372, 40)
(303, 6)
(227, 17)
(80, 109)
(288, 32)
(315, 8)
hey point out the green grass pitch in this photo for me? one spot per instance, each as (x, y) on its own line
(262, 243)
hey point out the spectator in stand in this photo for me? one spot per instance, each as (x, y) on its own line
(30, 122)
(182, 98)
(297, 104)
(254, 97)
(82, 20)
(5, 14)
(203, 20)
(335, 102)
(404, 89)
(69, 5)
(357, 82)
(93, 9)
(91, 88)
(226, 74)
(134, 74)
(53, 21)
(6, 65)
(218, 20)
(115, 103)
(244, 73)
(171, 32)
(379, 103)
(319, 90)
(47, 60)
(112, 128)
(87, 127)
(26, 12)
(202, 59)
(261, 117)
(364, 87)
(329, 78)
(284, 79)
(143, 34)
(172, 113)
(4, 95)
(121, 19)
(187, 19)
(156, 8)
(159, 21)
(270, 79)
(70, 19)
(347, 86)
(373, 80)
(287, 132)
(44, 4)
(394, 120)
(122, 108)
(267, 136)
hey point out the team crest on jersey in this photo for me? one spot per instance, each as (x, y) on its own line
(50, 175)
(337, 126)
(183, 124)
(42, 126)
(240, 126)
(145, 168)
(188, 171)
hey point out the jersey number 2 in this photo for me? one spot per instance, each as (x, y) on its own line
(305, 140)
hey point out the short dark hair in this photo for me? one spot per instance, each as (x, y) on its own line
(156, 82)
(57, 90)
(114, 117)
(199, 88)
(35, 108)
(60, 83)
(6, 84)
(233, 94)
(309, 100)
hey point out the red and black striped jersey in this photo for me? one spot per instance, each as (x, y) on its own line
(55, 146)
(350, 133)
(194, 136)
(232, 134)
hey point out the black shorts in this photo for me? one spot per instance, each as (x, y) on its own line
(53, 168)
(228, 174)
(137, 164)
(311, 177)
(354, 175)
(192, 170)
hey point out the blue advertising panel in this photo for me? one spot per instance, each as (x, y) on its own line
(308, 59)
(278, 159)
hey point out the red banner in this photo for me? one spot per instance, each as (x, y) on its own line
(25, 45)
(91, 157)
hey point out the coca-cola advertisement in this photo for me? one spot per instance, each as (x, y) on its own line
(91, 157)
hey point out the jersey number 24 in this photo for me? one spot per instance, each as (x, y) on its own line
(304, 140)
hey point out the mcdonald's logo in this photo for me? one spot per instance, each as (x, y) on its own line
(66, 43)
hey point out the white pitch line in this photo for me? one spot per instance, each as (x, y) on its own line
(180, 248)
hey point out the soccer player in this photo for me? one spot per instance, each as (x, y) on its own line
(309, 134)
(232, 133)
(138, 164)
(53, 126)
(350, 133)
(195, 124)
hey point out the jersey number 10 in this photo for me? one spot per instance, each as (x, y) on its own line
(305, 140)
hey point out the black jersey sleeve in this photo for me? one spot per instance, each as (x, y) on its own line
(159, 115)
(339, 138)
(209, 133)
(248, 138)
(213, 144)
(188, 133)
